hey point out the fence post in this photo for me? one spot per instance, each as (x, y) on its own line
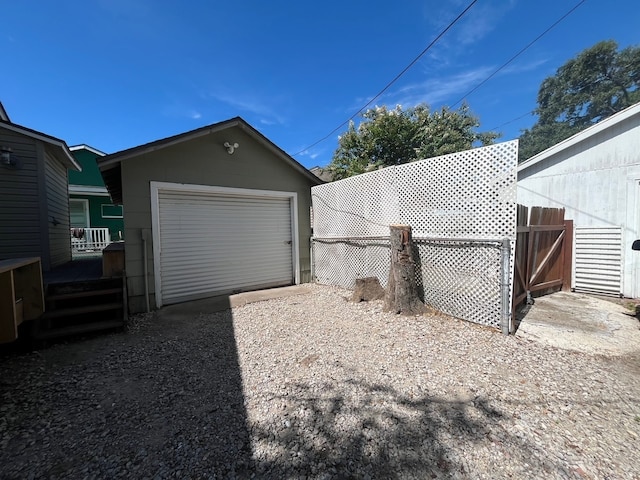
(505, 308)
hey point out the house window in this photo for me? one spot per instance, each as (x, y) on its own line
(111, 211)
(79, 212)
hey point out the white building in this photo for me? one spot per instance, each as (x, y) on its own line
(595, 176)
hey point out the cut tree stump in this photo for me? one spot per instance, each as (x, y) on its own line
(402, 290)
(367, 289)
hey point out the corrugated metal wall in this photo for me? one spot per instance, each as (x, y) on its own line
(597, 183)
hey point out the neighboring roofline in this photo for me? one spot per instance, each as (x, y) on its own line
(88, 190)
(84, 146)
(3, 114)
(44, 138)
(110, 161)
(589, 132)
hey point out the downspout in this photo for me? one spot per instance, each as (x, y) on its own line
(146, 269)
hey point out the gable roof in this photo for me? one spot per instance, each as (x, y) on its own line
(110, 164)
(56, 147)
(589, 132)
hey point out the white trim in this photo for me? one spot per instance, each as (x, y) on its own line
(111, 205)
(86, 209)
(88, 148)
(155, 187)
(3, 113)
(44, 138)
(88, 190)
(583, 135)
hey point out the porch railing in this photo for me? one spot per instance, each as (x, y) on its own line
(89, 239)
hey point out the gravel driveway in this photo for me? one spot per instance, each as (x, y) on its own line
(312, 386)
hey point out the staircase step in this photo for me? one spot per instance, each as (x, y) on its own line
(69, 312)
(86, 293)
(78, 329)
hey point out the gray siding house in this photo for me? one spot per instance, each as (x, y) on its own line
(34, 200)
(213, 211)
(595, 176)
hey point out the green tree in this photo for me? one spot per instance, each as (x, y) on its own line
(391, 137)
(599, 82)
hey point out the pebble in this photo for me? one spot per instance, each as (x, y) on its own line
(313, 386)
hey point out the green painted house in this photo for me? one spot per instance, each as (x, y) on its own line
(90, 205)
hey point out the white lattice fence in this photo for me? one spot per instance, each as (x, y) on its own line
(460, 206)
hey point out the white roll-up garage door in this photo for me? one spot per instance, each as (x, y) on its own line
(213, 243)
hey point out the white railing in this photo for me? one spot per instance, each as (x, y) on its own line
(89, 239)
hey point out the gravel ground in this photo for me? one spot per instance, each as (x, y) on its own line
(313, 386)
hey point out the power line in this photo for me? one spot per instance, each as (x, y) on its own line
(511, 121)
(519, 53)
(595, 82)
(433, 42)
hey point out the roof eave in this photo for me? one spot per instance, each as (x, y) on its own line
(66, 158)
(89, 148)
(109, 161)
(581, 136)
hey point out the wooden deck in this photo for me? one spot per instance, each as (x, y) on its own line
(78, 270)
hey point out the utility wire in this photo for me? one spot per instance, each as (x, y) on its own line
(514, 120)
(519, 53)
(413, 62)
(533, 112)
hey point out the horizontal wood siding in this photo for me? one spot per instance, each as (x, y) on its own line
(57, 211)
(19, 206)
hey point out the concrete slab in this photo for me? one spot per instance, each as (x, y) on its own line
(583, 323)
(224, 302)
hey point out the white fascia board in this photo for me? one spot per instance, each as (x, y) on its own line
(88, 148)
(88, 190)
(46, 139)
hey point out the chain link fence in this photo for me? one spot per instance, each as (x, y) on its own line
(462, 209)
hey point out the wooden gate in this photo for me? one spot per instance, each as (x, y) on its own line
(543, 253)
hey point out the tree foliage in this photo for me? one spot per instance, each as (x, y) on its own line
(599, 82)
(391, 137)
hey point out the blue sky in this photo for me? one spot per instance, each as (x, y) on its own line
(115, 74)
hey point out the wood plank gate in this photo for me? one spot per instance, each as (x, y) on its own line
(543, 254)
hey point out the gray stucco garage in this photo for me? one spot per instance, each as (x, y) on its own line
(213, 211)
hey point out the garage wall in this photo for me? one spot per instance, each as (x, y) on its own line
(203, 161)
(597, 182)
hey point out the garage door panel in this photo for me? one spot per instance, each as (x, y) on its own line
(213, 244)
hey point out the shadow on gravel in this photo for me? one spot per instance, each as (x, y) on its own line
(166, 401)
(385, 435)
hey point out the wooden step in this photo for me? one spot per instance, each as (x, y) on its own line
(79, 329)
(83, 294)
(70, 312)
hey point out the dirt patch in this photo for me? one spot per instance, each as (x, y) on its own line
(582, 323)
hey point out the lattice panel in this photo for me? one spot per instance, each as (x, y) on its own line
(470, 194)
(360, 206)
(341, 262)
(461, 280)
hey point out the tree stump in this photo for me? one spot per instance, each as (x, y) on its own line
(402, 290)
